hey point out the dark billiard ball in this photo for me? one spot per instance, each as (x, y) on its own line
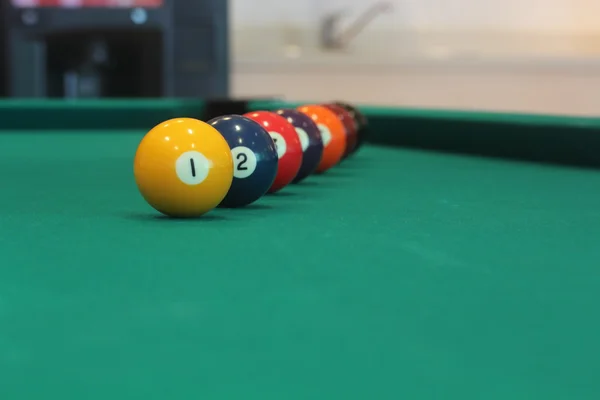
(350, 125)
(289, 149)
(310, 139)
(254, 156)
(362, 123)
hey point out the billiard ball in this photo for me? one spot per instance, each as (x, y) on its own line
(349, 126)
(254, 159)
(289, 149)
(183, 167)
(310, 139)
(362, 124)
(332, 132)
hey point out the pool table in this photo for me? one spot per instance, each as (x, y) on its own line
(455, 256)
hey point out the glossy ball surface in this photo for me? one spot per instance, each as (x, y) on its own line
(332, 132)
(350, 127)
(289, 149)
(254, 156)
(310, 140)
(183, 167)
(362, 124)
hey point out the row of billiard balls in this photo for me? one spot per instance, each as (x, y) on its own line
(185, 167)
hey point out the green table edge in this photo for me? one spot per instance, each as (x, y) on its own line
(542, 138)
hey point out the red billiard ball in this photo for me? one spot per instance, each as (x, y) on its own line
(289, 148)
(361, 122)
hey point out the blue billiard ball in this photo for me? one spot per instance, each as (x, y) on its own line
(255, 159)
(310, 139)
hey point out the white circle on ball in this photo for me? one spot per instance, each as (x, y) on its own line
(325, 134)
(192, 167)
(244, 162)
(304, 139)
(280, 143)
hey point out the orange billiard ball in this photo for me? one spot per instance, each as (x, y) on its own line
(349, 126)
(333, 134)
(183, 167)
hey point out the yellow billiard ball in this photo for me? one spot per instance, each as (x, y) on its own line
(183, 167)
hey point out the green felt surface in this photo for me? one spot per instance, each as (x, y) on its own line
(400, 274)
(454, 115)
(558, 139)
(76, 115)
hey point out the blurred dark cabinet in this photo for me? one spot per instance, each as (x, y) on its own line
(177, 50)
(3, 59)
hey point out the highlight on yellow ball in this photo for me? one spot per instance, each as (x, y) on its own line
(183, 167)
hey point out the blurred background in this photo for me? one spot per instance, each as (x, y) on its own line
(538, 56)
